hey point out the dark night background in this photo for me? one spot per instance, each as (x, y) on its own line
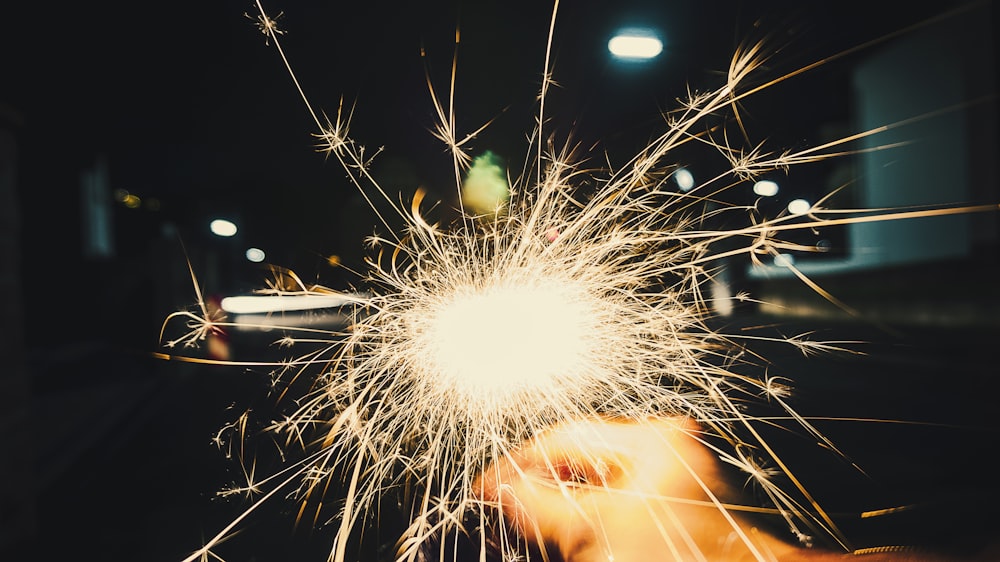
(185, 105)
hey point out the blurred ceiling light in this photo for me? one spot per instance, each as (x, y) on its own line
(255, 255)
(799, 207)
(684, 179)
(766, 188)
(222, 227)
(635, 44)
(257, 304)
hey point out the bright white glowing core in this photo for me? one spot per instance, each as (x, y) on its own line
(507, 339)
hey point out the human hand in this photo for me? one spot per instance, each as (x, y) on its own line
(629, 491)
(600, 490)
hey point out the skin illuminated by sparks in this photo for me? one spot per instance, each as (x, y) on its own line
(567, 305)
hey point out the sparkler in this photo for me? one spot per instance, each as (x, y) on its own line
(581, 296)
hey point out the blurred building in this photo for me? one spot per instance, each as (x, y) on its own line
(934, 93)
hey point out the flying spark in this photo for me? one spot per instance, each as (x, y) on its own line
(582, 298)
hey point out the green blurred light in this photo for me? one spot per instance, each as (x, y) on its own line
(485, 189)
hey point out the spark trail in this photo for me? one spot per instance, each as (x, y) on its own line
(581, 297)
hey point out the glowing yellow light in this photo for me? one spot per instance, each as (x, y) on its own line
(132, 201)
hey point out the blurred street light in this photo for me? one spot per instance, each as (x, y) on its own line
(223, 227)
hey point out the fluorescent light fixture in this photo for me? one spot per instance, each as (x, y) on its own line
(258, 304)
(635, 44)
